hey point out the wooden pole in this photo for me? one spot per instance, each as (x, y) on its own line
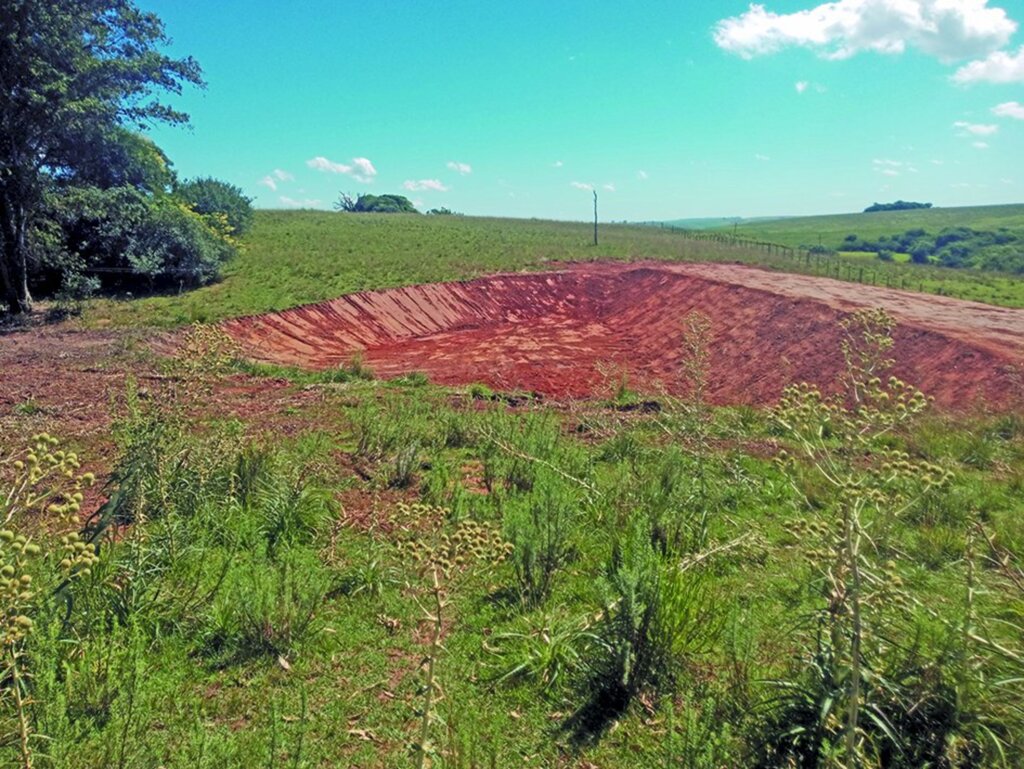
(595, 217)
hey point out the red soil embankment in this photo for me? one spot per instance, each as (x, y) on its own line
(573, 332)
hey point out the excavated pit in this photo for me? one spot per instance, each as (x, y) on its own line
(572, 333)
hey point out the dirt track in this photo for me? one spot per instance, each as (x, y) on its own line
(566, 333)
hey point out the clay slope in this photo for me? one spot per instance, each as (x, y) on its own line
(571, 333)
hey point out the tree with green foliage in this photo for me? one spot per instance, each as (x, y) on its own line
(73, 76)
(377, 204)
(899, 205)
(958, 247)
(212, 197)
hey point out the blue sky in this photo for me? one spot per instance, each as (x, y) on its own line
(669, 109)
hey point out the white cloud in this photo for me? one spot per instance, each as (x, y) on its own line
(980, 145)
(320, 163)
(360, 169)
(367, 171)
(1009, 109)
(609, 186)
(762, 158)
(422, 185)
(277, 175)
(975, 129)
(641, 175)
(803, 85)
(889, 167)
(557, 164)
(461, 168)
(998, 67)
(298, 203)
(947, 29)
(581, 185)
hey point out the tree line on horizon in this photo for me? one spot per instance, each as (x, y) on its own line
(899, 205)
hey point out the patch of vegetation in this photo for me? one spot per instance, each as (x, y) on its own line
(354, 370)
(214, 198)
(429, 579)
(899, 205)
(88, 202)
(960, 247)
(831, 229)
(374, 204)
(358, 252)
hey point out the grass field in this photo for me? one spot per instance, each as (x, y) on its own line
(294, 258)
(830, 230)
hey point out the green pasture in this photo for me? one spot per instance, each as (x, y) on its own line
(298, 257)
(829, 231)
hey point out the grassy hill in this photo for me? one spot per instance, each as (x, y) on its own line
(298, 257)
(830, 230)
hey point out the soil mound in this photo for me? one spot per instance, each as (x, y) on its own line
(575, 332)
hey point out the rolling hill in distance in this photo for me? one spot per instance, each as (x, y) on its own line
(830, 230)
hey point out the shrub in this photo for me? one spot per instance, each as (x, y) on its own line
(851, 692)
(656, 617)
(548, 651)
(128, 238)
(377, 204)
(540, 527)
(214, 198)
(268, 609)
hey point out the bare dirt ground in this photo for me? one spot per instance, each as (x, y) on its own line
(71, 383)
(574, 331)
(567, 334)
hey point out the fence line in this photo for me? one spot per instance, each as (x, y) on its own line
(813, 263)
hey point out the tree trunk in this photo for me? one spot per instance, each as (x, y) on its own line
(14, 256)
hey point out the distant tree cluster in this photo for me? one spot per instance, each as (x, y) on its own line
(377, 204)
(86, 200)
(1001, 250)
(899, 205)
(442, 211)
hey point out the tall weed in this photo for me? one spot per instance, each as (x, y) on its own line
(541, 526)
(656, 618)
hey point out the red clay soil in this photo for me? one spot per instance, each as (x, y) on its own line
(570, 333)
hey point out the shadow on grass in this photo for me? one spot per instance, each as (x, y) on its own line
(606, 704)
